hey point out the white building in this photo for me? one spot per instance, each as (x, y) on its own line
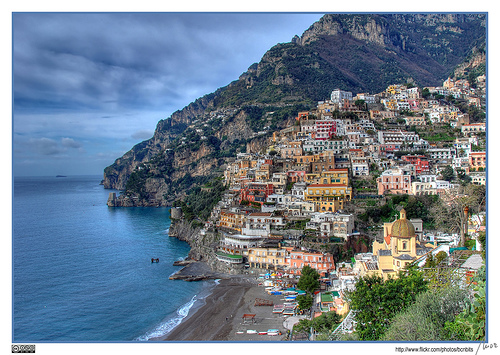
(332, 224)
(338, 95)
(442, 153)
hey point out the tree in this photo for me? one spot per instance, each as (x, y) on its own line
(305, 301)
(433, 261)
(376, 302)
(309, 279)
(447, 173)
(361, 104)
(450, 214)
(325, 324)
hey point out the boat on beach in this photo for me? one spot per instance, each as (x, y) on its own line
(273, 332)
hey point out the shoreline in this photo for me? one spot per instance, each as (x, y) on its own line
(219, 317)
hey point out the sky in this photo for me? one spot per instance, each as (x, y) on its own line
(87, 87)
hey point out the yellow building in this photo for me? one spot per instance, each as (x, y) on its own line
(328, 197)
(335, 176)
(231, 220)
(272, 258)
(398, 249)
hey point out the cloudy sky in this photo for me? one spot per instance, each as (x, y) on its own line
(88, 86)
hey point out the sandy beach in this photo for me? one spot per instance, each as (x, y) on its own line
(221, 318)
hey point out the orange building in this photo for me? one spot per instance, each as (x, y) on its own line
(477, 161)
(231, 220)
(323, 263)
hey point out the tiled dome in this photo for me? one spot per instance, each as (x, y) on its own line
(402, 227)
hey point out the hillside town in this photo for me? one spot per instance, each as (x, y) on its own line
(286, 203)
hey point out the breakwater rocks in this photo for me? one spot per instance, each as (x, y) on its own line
(195, 271)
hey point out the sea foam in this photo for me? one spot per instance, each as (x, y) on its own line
(167, 326)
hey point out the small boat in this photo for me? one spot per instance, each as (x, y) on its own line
(263, 333)
(279, 308)
(251, 331)
(273, 332)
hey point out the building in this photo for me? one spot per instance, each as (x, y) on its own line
(233, 248)
(272, 258)
(337, 96)
(367, 98)
(442, 153)
(398, 249)
(415, 121)
(328, 197)
(360, 166)
(477, 161)
(261, 223)
(231, 221)
(419, 161)
(332, 224)
(478, 178)
(291, 149)
(325, 129)
(395, 181)
(473, 128)
(256, 192)
(323, 263)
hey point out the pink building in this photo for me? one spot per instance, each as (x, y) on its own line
(296, 175)
(394, 181)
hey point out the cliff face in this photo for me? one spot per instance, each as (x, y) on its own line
(360, 53)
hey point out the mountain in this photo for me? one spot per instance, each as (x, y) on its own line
(354, 52)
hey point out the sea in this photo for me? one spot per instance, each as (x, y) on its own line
(82, 271)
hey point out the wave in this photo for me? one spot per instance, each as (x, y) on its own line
(167, 326)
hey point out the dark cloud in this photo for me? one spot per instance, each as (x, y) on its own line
(70, 143)
(133, 60)
(107, 78)
(45, 146)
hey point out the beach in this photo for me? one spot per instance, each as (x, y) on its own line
(221, 317)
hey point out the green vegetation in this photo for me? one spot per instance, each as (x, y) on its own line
(309, 279)
(377, 302)
(425, 319)
(324, 325)
(309, 282)
(415, 206)
(470, 324)
(198, 204)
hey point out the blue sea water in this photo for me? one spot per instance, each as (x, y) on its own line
(82, 271)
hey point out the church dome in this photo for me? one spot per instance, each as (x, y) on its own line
(402, 227)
